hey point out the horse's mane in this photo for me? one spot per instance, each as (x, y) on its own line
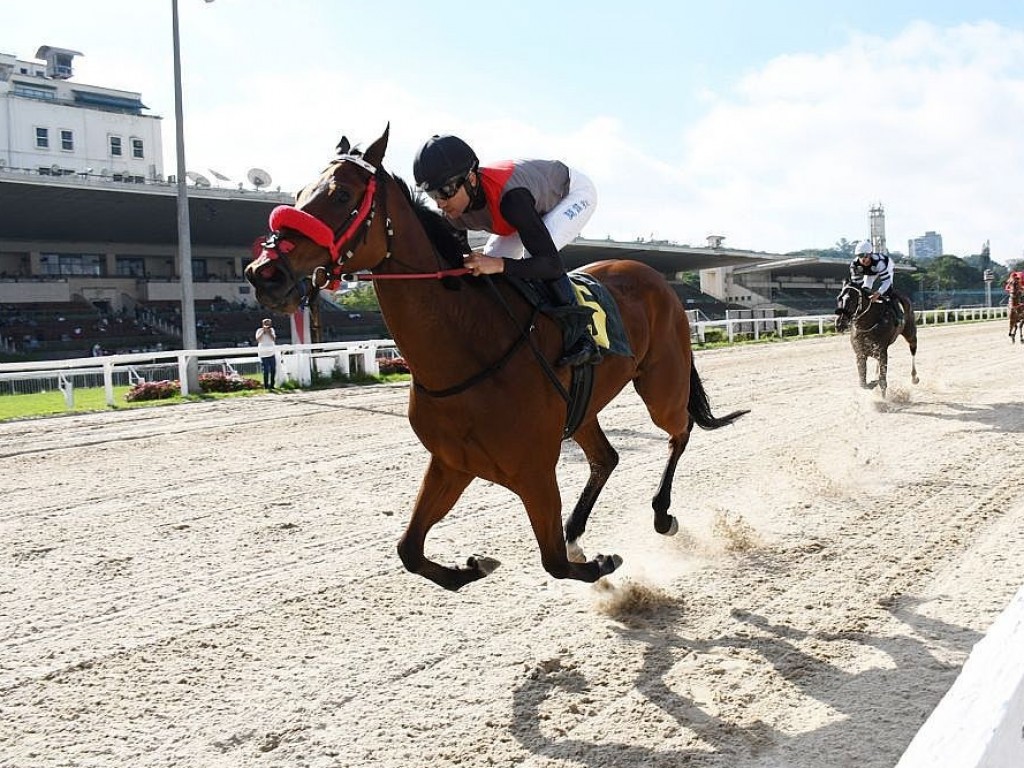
(451, 243)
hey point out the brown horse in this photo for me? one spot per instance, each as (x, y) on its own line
(873, 327)
(485, 401)
(1015, 287)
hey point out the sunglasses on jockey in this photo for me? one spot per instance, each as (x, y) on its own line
(447, 190)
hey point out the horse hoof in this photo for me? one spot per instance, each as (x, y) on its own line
(607, 564)
(575, 552)
(671, 529)
(485, 565)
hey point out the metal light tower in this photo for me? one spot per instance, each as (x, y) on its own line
(877, 220)
(190, 383)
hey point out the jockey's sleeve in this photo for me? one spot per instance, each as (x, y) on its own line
(885, 275)
(520, 210)
(856, 278)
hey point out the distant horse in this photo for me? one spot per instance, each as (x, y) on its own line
(486, 401)
(1015, 287)
(873, 327)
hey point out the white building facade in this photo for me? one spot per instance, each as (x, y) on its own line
(52, 126)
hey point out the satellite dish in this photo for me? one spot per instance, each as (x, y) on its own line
(218, 176)
(258, 177)
(105, 173)
(3, 163)
(197, 178)
(55, 169)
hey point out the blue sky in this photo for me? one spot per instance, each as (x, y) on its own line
(776, 125)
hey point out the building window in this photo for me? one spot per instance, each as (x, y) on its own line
(34, 92)
(67, 141)
(71, 264)
(131, 266)
(115, 146)
(137, 149)
(42, 138)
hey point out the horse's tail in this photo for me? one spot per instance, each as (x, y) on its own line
(700, 408)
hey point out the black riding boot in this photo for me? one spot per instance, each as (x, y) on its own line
(580, 349)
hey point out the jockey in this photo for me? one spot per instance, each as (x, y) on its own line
(531, 208)
(1014, 283)
(868, 266)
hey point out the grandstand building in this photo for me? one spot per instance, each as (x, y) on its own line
(88, 233)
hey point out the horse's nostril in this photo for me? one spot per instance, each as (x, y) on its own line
(267, 272)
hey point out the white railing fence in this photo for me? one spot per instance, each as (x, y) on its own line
(801, 325)
(301, 362)
(298, 363)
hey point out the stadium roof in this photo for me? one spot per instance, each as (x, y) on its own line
(103, 211)
(664, 257)
(808, 266)
(92, 210)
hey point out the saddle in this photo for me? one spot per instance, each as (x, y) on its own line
(595, 312)
(894, 306)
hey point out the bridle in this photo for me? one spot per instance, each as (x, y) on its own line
(842, 311)
(340, 242)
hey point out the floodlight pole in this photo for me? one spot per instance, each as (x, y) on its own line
(190, 382)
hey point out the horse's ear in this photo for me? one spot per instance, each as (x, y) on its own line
(343, 146)
(375, 154)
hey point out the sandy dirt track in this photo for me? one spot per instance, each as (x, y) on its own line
(216, 584)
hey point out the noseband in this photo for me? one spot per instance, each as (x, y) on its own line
(859, 310)
(276, 246)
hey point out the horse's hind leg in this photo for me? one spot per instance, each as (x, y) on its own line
(602, 458)
(667, 400)
(910, 334)
(439, 491)
(664, 522)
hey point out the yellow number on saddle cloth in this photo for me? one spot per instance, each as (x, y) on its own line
(599, 321)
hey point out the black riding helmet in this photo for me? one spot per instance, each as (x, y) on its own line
(442, 159)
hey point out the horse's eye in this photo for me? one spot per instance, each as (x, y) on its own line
(340, 196)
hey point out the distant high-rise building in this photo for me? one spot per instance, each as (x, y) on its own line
(928, 246)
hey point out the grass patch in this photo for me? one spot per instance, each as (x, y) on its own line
(91, 399)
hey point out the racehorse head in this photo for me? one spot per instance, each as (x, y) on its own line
(848, 304)
(313, 243)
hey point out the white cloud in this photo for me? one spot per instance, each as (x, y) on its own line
(927, 123)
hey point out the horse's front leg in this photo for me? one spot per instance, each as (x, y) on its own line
(862, 368)
(544, 508)
(602, 458)
(883, 370)
(439, 491)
